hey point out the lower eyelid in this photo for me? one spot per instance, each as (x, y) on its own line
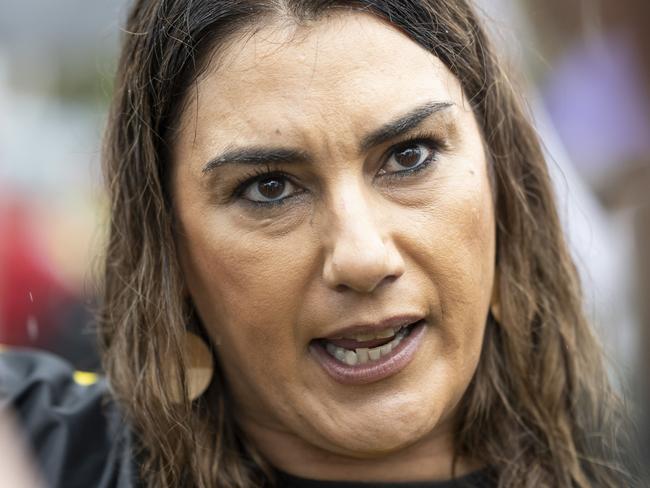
(407, 172)
(242, 189)
(273, 203)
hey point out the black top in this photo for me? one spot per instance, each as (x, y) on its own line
(79, 438)
(479, 479)
(76, 433)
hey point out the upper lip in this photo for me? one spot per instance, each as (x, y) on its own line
(361, 328)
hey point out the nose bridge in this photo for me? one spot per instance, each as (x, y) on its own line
(360, 253)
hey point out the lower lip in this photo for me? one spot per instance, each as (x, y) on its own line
(371, 371)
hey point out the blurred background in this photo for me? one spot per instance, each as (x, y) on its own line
(56, 65)
(584, 68)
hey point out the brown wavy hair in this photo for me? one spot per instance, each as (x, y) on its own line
(539, 410)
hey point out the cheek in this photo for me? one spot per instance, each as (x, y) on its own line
(234, 278)
(455, 245)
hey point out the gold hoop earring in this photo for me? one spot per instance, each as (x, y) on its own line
(495, 310)
(495, 301)
(199, 368)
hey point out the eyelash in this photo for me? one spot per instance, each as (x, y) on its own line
(435, 143)
(256, 175)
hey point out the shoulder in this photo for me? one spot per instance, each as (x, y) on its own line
(73, 426)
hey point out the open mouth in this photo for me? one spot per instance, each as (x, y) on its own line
(359, 358)
(358, 349)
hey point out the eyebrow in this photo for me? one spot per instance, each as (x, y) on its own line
(402, 124)
(257, 155)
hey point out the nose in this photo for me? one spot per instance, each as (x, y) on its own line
(360, 252)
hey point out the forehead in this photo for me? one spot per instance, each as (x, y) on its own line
(344, 73)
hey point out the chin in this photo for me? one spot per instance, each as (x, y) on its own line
(379, 433)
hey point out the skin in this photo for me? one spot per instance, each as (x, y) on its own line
(352, 245)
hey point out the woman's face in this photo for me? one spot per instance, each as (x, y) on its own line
(331, 187)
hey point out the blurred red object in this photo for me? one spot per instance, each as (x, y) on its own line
(32, 297)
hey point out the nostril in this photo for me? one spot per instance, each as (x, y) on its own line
(391, 278)
(341, 288)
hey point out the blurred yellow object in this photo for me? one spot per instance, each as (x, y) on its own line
(84, 378)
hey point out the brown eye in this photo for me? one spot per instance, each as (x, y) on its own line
(409, 158)
(269, 189)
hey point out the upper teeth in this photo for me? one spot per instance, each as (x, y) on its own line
(369, 336)
(362, 355)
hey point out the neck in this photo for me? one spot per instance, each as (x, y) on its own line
(429, 459)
